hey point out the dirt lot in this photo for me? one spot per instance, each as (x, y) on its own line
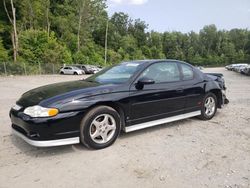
(188, 153)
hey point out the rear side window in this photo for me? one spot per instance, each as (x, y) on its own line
(162, 72)
(187, 71)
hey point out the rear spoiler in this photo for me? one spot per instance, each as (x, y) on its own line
(215, 74)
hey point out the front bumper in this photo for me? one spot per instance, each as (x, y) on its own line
(62, 129)
(47, 143)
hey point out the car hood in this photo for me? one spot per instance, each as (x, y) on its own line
(62, 92)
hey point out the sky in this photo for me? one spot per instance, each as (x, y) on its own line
(185, 15)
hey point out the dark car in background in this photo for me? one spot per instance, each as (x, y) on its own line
(128, 96)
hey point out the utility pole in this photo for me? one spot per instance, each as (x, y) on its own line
(106, 41)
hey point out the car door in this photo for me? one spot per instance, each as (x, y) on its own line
(162, 99)
(70, 70)
(193, 88)
(66, 70)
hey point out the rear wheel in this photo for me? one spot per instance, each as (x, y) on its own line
(100, 127)
(209, 106)
(61, 72)
(75, 73)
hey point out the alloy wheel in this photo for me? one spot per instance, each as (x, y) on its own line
(209, 106)
(102, 128)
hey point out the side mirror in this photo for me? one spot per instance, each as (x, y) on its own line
(144, 81)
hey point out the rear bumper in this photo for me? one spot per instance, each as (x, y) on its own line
(47, 143)
(224, 98)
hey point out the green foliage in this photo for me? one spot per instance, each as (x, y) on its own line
(3, 52)
(63, 32)
(114, 57)
(89, 54)
(37, 47)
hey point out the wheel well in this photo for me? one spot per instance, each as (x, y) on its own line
(218, 95)
(115, 106)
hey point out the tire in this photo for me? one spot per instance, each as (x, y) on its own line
(209, 107)
(61, 72)
(75, 73)
(100, 127)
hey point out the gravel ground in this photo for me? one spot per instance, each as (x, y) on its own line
(188, 153)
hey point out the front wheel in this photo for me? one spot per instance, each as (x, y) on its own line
(209, 106)
(100, 127)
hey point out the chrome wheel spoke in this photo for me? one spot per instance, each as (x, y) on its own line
(207, 111)
(105, 119)
(111, 127)
(96, 134)
(104, 136)
(96, 123)
(207, 103)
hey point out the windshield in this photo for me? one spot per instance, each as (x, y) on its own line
(117, 74)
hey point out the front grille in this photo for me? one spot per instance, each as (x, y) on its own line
(19, 129)
(30, 134)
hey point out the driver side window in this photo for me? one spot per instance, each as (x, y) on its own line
(162, 72)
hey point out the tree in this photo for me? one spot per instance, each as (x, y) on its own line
(67, 31)
(36, 47)
(12, 20)
(208, 39)
(137, 30)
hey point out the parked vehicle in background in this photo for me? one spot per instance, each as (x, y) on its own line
(71, 70)
(246, 70)
(86, 68)
(240, 68)
(199, 67)
(230, 67)
(89, 69)
(95, 69)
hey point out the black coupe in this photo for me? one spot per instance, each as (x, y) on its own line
(128, 96)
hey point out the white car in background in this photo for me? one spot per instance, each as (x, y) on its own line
(239, 67)
(71, 70)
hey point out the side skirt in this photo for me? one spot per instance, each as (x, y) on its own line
(161, 121)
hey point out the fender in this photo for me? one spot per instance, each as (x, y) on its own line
(214, 87)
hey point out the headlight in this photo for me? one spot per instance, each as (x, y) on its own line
(39, 111)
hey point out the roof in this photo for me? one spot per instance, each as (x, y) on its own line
(151, 61)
